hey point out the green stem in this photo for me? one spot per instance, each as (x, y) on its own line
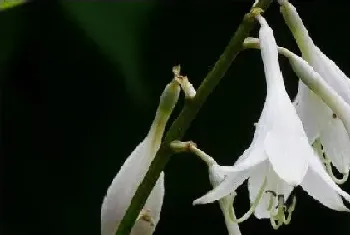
(187, 115)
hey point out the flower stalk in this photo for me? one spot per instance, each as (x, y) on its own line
(187, 115)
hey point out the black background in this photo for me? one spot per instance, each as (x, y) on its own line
(80, 83)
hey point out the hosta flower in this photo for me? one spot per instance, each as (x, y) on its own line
(279, 157)
(130, 175)
(320, 122)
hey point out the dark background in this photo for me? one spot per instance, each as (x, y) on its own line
(80, 83)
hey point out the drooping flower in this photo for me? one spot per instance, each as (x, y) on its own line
(320, 122)
(279, 157)
(130, 175)
(324, 95)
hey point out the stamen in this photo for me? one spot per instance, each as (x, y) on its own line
(273, 195)
(328, 163)
(329, 169)
(231, 210)
(254, 205)
(279, 218)
(290, 210)
(318, 148)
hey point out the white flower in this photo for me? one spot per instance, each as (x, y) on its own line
(130, 175)
(320, 122)
(279, 157)
(317, 89)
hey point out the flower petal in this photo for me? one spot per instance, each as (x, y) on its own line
(155, 199)
(229, 185)
(285, 143)
(288, 153)
(329, 71)
(124, 185)
(336, 144)
(251, 157)
(325, 185)
(255, 183)
(317, 188)
(153, 207)
(312, 111)
(218, 173)
(274, 184)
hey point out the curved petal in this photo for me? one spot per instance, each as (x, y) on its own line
(124, 185)
(288, 155)
(325, 186)
(312, 111)
(153, 207)
(218, 173)
(255, 183)
(229, 185)
(155, 199)
(336, 143)
(285, 143)
(331, 73)
(316, 187)
(274, 184)
(250, 158)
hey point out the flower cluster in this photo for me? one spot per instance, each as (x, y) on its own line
(296, 143)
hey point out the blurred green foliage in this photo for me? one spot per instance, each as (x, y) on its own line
(5, 4)
(118, 28)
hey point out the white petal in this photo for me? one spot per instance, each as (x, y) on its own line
(153, 206)
(255, 183)
(269, 54)
(274, 183)
(229, 185)
(329, 71)
(288, 153)
(317, 188)
(336, 143)
(286, 143)
(155, 199)
(130, 175)
(317, 168)
(218, 173)
(251, 157)
(124, 185)
(313, 79)
(313, 112)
